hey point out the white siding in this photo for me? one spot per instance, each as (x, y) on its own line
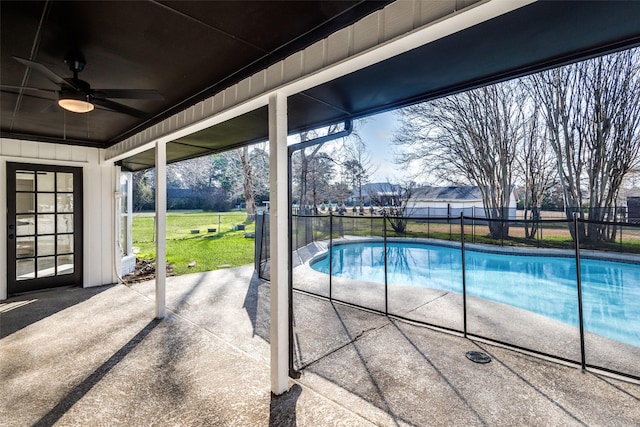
(417, 207)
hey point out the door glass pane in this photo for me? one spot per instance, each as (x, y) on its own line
(65, 202)
(46, 224)
(25, 269)
(25, 181)
(25, 247)
(46, 202)
(65, 243)
(65, 223)
(65, 182)
(46, 245)
(25, 225)
(46, 266)
(65, 264)
(46, 181)
(25, 203)
(124, 191)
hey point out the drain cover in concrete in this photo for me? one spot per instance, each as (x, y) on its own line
(478, 357)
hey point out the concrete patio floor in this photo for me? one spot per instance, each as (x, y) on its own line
(96, 356)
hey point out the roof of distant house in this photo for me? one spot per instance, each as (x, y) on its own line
(448, 193)
(428, 193)
(377, 189)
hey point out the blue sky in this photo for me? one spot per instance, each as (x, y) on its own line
(377, 133)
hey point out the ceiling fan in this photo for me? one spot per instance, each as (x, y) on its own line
(77, 96)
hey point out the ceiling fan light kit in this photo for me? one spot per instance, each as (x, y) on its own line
(75, 102)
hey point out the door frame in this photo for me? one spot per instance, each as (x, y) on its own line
(74, 278)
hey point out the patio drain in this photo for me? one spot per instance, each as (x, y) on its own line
(478, 357)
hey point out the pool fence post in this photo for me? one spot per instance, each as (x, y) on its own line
(428, 222)
(330, 253)
(579, 284)
(502, 225)
(473, 223)
(464, 278)
(449, 219)
(384, 233)
(371, 226)
(620, 224)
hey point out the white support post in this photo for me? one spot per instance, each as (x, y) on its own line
(161, 228)
(279, 244)
(117, 223)
(128, 249)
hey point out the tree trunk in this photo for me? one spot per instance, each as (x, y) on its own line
(247, 182)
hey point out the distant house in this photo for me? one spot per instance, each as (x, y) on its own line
(451, 202)
(435, 201)
(633, 209)
(382, 192)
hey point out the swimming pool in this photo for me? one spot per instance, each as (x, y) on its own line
(541, 284)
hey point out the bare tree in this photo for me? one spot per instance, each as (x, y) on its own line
(394, 202)
(143, 195)
(535, 168)
(471, 137)
(357, 166)
(304, 161)
(592, 112)
(259, 158)
(247, 181)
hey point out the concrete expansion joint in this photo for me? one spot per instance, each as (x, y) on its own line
(351, 341)
(428, 302)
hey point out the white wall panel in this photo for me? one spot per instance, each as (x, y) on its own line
(243, 90)
(9, 147)
(293, 66)
(314, 57)
(366, 33)
(433, 10)
(399, 18)
(63, 152)
(339, 45)
(258, 81)
(275, 76)
(29, 149)
(46, 151)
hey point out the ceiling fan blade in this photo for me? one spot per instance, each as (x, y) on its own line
(18, 88)
(129, 94)
(120, 108)
(51, 108)
(44, 70)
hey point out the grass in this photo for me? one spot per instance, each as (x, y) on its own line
(211, 251)
(228, 248)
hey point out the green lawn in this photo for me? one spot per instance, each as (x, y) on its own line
(210, 251)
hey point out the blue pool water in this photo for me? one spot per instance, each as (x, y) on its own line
(543, 285)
